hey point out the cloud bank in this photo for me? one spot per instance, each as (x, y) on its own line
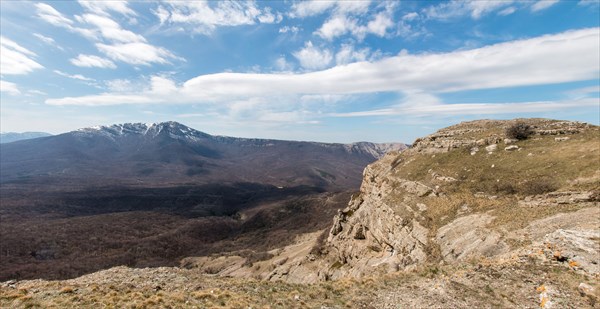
(564, 57)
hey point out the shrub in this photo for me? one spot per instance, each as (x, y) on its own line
(320, 246)
(539, 186)
(519, 130)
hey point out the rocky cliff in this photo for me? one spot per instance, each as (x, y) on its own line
(468, 191)
(462, 194)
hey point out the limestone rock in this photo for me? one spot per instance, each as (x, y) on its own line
(511, 148)
(491, 148)
(468, 236)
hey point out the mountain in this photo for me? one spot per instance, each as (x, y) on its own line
(468, 217)
(170, 152)
(9, 137)
(151, 194)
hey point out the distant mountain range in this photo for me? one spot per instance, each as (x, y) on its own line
(170, 153)
(9, 137)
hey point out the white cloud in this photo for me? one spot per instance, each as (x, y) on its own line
(507, 11)
(283, 65)
(313, 58)
(36, 92)
(205, 16)
(137, 53)
(348, 54)
(267, 17)
(119, 85)
(550, 59)
(410, 16)
(8, 87)
(458, 8)
(303, 9)
(340, 24)
(380, 24)
(414, 108)
(292, 29)
(110, 38)
(310, 8)
(542, 5)
(352, 7)
(584, 92)
(104, 7)
(52, 16)
(73, 76)
(91, 61)
(16, 59)
(162, 14)
(110, 30)
(337, 26)
(47, 40)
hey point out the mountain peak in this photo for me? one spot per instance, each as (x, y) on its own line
(173, 128)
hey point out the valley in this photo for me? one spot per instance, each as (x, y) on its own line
(146, 195)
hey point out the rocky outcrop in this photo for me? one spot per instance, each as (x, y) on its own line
(377, 232)
(469, 134)
(414, 210)
(469, 236)
(388, 226)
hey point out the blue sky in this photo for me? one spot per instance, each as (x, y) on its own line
(335, 71)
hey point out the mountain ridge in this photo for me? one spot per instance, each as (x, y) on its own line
(9, 137)
(170, 152)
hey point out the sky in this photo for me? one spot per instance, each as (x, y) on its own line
(330, 71)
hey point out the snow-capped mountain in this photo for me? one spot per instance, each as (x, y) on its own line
(170, 152)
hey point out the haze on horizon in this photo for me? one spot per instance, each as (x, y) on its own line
(331, 71)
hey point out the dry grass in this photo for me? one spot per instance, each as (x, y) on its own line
(478, 284)
(502, 178)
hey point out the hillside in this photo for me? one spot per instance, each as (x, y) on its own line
(151, 194)
(466, 217)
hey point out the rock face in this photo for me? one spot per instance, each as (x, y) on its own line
(468, 236)
(403, 218)
(374, 233)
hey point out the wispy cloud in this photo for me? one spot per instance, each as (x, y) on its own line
(109, 36)
(48, 40)
(137, 53)
(206, 16)
(564, 57)
(303, 9)
(16, 59)
(507, 11)
(458, 8)
(8, 87)
(91, 61)
(542, 5)
(292, 29)
(74, 76)
(105, 7)
(412, 109)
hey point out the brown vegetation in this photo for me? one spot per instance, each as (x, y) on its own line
(519, 130)
(67, 234)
